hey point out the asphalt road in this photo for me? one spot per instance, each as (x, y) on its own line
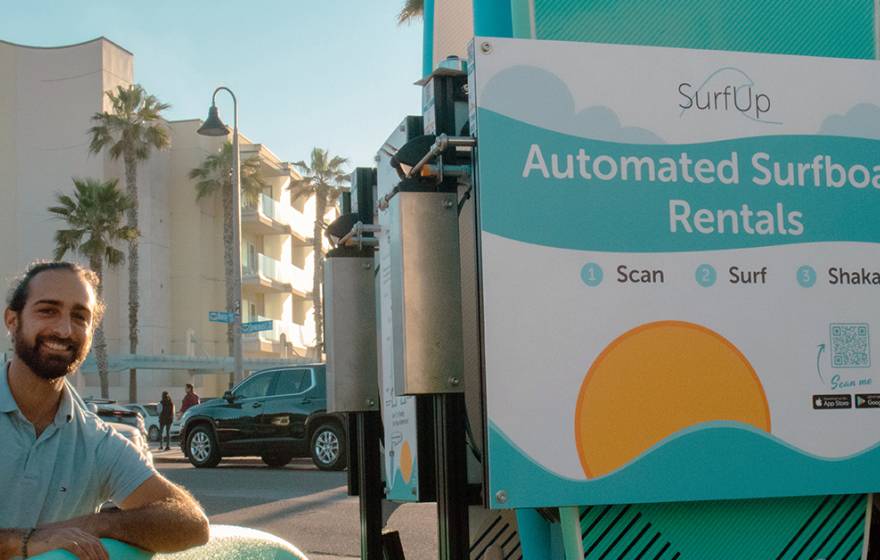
(299, 503)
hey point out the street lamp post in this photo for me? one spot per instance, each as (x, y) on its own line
(213, 126)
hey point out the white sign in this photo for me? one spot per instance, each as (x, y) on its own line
(680, 271)
(398, 411)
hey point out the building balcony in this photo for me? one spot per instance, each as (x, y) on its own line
(301, 226)
(265, 217)
(266, 275)
(301, 282)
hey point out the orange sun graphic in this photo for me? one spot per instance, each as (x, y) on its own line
(656, 380)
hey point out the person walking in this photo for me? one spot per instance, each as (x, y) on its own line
(166, 418)
(190, 399)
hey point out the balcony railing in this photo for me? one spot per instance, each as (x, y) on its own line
(267, 267)
(272, 209)
(268, 207)
(300, 224)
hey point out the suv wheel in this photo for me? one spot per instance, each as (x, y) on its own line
(276, 459)
(328, 447)
(202, 447)
(153, 434)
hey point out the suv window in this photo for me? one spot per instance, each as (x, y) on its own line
(256, 387)
(291, 382)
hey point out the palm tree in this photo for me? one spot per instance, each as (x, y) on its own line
(132, 130)
(94, 216)
(325, 179)
(411, 10)
(215, 176)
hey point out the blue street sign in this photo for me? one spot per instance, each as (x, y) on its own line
(256, 326)
(221, 316)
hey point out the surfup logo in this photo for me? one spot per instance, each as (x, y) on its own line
(727, 90)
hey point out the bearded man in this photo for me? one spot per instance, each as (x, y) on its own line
(59, 462)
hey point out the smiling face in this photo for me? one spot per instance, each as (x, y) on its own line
(53, 332)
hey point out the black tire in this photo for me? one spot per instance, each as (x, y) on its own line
(276, 459)
(327, 447)
(153, 433)
(201, 447)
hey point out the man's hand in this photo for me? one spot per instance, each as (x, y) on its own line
(82, 544)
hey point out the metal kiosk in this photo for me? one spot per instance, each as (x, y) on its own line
(630, 274)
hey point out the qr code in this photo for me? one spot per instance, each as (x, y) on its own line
(850, 345)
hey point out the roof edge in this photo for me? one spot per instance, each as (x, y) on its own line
(101, 38)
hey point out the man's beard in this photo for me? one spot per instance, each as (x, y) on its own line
(50, 366)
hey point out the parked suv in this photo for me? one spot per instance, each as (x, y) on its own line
(277, 414)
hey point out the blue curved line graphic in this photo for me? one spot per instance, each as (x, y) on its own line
(750, 83)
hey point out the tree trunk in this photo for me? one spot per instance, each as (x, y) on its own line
(318, 246)
(228, 267)
(133, 266)
(97, 266)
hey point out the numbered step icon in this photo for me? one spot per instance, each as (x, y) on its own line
(706, 275)
(592, 274)
(806, 276)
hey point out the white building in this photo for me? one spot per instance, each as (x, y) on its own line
(47, 98)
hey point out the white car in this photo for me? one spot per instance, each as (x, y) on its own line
(150, 412)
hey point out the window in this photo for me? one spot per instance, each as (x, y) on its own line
(255, 387)
(292, 382)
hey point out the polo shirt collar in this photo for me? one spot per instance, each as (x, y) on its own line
(65, 407)
(8, 404)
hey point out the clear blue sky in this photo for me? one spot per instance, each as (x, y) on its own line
(335, 74)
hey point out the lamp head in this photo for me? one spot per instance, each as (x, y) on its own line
(213, 126)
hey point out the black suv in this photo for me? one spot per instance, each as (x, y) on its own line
(277, 413)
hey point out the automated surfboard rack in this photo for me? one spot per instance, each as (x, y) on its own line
(604, 298)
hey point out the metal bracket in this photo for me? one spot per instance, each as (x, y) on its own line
(355, 237)
(442, 143)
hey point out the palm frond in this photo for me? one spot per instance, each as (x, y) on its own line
(94, 216)
(134, 124)
(411, 10)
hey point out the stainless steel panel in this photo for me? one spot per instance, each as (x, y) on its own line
(425, 253)
(350, 334)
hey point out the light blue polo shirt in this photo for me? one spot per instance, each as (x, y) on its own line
(77, 463)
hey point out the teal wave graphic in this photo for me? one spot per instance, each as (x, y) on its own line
(402, 491)
(713, 461)
(637, 214)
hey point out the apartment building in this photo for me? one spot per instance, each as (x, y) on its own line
(47, 97)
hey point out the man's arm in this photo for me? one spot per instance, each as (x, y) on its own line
(10, 543)
(158, 516)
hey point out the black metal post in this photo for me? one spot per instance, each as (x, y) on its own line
(370, 484)
(353, 447)
(451, 471)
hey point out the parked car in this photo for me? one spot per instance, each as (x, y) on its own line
(276, 414)
(150, 413)
(110, 411)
